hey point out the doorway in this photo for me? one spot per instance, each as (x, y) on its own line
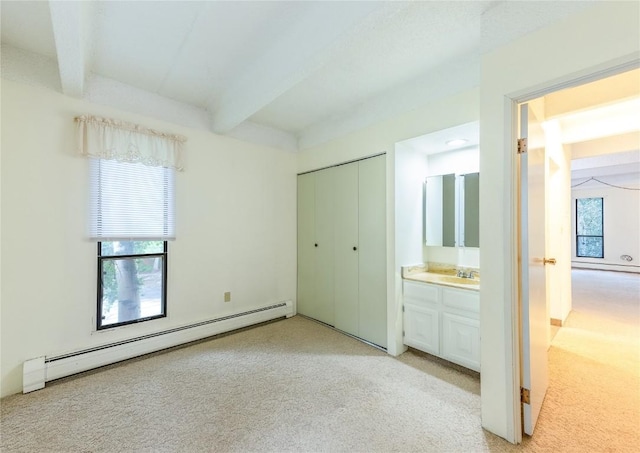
(595, 123)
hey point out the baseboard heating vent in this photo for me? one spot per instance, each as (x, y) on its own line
(39, 370)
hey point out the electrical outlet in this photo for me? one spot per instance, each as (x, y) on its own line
(227, 296)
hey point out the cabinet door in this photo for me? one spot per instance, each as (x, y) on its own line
(372, 252)
(306, 241)
(345, 184)
(421, 328)
(324, 255)
(461, 340)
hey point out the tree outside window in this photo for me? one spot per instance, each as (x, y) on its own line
(133, 282)
(589, 228)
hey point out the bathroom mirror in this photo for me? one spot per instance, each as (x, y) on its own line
(439, 209)
(452, 210)
(470, 210)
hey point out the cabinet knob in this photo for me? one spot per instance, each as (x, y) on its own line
(355, 248)
(316, 245)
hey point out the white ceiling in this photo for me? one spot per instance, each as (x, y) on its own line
(287, 73)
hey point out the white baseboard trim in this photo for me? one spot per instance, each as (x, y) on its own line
(605, 267)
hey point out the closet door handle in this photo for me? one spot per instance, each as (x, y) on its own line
(355, 248)
(316, 245)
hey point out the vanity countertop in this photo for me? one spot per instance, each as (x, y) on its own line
(439, 274)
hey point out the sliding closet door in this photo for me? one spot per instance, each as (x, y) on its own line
(372, 252)
(306, 241)
(346, 248)
(324, 247)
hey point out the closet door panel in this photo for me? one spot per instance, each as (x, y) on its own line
(346, 248)
(324, 250)
(306, 241)
(373, 250)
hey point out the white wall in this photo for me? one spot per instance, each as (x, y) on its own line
(558, 220)
(459, 161)
(410, 171)
(621, 225)
(235, 216)
(440, 114)
(547, 58)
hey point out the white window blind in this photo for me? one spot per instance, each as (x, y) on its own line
(132, 171)
(131, 201)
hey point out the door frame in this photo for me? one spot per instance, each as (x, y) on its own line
(514, 321)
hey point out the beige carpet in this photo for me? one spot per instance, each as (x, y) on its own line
(296, 385)
(292, 385)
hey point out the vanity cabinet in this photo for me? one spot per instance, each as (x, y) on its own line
(443, 321)
(422, 317)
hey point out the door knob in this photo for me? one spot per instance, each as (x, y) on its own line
(316, 245)
(355, 248)
(549, 261)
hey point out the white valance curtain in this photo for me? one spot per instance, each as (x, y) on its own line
(105, 138)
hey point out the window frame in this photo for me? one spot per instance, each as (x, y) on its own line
(601, 236)
(101, 259)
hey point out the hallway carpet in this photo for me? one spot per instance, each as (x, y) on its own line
(593, 401)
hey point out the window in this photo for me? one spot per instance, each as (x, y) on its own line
(132, 215)
(131, 208)
(133, 282)
(589, 228)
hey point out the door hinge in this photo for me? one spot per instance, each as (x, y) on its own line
(522, 145)
(525, 396)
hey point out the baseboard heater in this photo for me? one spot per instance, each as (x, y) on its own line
(36, 372)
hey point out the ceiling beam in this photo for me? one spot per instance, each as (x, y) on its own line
(311, 42)
(70, 30)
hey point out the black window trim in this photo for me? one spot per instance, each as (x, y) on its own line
(601, 236)
(101, 258)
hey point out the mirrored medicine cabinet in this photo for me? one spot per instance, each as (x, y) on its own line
(452, 210)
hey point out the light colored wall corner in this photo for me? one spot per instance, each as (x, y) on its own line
(613, 42)
(235, 221)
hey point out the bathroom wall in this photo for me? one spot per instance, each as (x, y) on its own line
(411, 168)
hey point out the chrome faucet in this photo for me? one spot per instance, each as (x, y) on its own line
(463, 274)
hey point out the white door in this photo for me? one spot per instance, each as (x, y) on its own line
(534, 316)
